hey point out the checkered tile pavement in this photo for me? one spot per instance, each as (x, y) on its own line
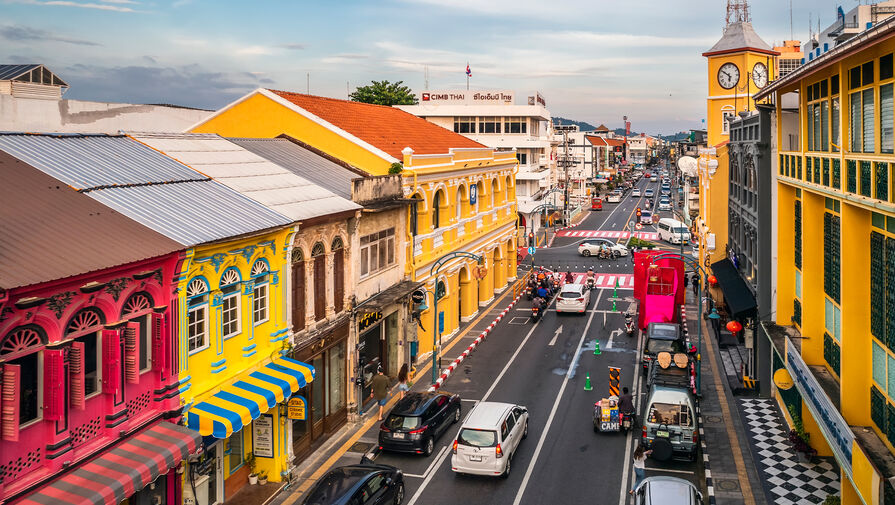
(788, 481)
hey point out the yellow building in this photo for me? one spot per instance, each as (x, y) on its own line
(739, 65)
(466, 191)
(834, 337)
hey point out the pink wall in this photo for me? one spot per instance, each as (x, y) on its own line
(139, 298)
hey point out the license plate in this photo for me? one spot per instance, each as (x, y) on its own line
(662, 433)
(398, 435)
(474, 457)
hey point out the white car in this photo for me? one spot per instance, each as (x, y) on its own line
(591, 247)
(654, 179)
(635, 192)
(648, 193)
(614, 197)
(664, 204)
(488, 439)
(573, 298)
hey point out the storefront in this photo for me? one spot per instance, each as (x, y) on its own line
(326, 398)
(377, 347)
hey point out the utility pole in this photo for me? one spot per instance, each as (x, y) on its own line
(565, 162)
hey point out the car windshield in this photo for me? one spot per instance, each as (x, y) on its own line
(477, 438)
(667, 413)
(666, 331)
(681, 230)
(656, 346)
(395, 422)
(571, 294)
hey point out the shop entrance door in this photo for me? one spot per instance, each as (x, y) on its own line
(215, 454)
(318, 397)
(372, 350)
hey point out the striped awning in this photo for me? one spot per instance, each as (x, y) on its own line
(254, 393)
(117, 474)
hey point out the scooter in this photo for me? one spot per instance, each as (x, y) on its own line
(629, 325)
(537, 309)
(627, 420)
(590, 283)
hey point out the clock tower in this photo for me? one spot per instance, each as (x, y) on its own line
(739, 64)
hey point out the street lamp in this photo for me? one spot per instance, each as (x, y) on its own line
(433, 272)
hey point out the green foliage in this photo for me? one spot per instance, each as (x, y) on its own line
(384, 93)
(395, 168)
(640, 243)
(832, 499)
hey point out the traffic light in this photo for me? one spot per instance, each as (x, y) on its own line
(638, 211)
(531, 238)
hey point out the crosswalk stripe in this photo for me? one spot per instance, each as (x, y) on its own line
(631, 281)
(611, 282)
(600, 280)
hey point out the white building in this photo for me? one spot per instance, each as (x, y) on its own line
(494, 119)
(847, 25)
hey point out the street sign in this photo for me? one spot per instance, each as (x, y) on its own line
(418, 296)
(638, 226)
(473, 194)
(531, 250)
(630, 224)
(655, 218)
(441, 322)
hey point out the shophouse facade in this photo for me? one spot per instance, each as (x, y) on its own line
(465, 191)
(832, 334)
(86, 349)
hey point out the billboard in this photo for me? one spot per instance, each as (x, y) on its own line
(466, 97)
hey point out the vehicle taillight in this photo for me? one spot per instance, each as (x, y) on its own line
(383, 428)
(581, 300)
(418, 431)
(455, 447)
(695, 438)
(644, 433)
(498, 451)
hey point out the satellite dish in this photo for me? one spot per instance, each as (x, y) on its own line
(687, 164)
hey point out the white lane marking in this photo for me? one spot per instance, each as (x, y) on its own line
(611, 337)
(623, 492)
(562, 388)
(430, 467)
(611, 282)
(558, 331)
(468, 400)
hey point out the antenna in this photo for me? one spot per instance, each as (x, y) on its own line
(738, 12)
(426, 77)
(791, 33)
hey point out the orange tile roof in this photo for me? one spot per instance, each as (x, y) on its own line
(615, 142)
(597, 141)
(386, 128)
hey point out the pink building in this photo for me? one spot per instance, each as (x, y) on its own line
(87, 349)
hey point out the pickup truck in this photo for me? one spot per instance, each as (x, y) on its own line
(670, 425)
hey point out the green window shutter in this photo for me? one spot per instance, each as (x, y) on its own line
(826, 172)
(797, 311)
(878, 408)
(851, 176)
(882, 181)
(890, 420)
(836, 177)
(877, 286)
(866, 179)
(890, 293)
(831, 352)
(816, 170)
(799, 167)
(797, 226)
(782, 166)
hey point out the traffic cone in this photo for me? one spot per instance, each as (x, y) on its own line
(587, 386)
(597, 348)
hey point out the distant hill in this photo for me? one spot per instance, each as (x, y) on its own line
(621, 132)
(583, 126)
(677, 137)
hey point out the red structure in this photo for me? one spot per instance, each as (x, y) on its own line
(659, 286)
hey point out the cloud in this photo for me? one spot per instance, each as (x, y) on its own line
(254, 51)
(343, 58)
(624, 39)
(114, 5)
(27, 33)
(150, 59)
(292, 46)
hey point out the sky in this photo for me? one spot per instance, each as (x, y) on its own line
(593, 61)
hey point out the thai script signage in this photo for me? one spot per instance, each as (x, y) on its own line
(466, 97)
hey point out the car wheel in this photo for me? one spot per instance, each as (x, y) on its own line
(429, 446)
(456, 415)
(506, 469)
(525, 431)
(585, 253)
(399, 494)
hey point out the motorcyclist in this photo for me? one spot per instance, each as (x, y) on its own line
(569, 277)
(626, 402)
(543, 293)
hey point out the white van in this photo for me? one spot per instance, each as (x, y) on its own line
(489, 438)
(674, 231)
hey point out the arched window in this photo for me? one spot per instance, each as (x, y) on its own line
(494, 190)
(86, 328)
(197, 320)
(298, 289)
(318, 253)
(260, 292)
(436, 209)
(414, 214)
(138, 308)
(440, 290)
(231, 303)
(21, 348)
(338, 274)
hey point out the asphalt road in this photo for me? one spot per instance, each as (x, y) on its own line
(544, 367)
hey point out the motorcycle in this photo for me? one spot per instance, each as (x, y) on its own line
(627, 420)
(590, 283)
(629, 325)
(537, 310)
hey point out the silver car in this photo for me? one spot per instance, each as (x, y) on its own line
(663, 490)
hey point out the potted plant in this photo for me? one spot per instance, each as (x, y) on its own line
(798, 437)
(262, 478)
(253, 477)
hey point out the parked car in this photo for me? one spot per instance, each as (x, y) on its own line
(635, 192)
(417, 420)
(573, 298)
(660, 337)
(358, 484)
(662, 490)
(648, 193)
(489, 438)
(669, 421)
(591, 247)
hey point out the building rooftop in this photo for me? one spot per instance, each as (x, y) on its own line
(740, 36)
(51, 231)
(25, 73)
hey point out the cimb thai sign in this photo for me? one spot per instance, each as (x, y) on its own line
(466, 97)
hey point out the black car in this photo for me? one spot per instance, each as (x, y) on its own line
(661, 337)
(417, 420)
(358, 485)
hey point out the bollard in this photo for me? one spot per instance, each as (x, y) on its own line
(597, 348)
(587, 385)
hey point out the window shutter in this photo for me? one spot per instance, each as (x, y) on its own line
(76, 376)
(159, 343)
(111, 361)
(9, 400)
(132, 353)
(54, 384)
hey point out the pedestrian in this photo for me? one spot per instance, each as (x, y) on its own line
(640, 455)
(695, 284)
(403, 386)
(686, 280)
(380, 390)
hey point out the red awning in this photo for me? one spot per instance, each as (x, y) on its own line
(119, 473)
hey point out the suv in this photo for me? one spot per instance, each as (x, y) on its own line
(488, 439)
(417, 420)
(669, 417)
(614, 197)
(355, 484)
(661, 337)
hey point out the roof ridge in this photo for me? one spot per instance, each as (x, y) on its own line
(279, 92)
(141, 184)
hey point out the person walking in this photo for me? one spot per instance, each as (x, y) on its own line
(403, 387)
(640, 455)
(380, 390)
(695, 284)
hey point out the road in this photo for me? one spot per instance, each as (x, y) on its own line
(544, 367)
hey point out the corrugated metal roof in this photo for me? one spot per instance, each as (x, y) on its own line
(146, 186)
(50, 231)
(8, 72)
(256, 177)
(303, 162)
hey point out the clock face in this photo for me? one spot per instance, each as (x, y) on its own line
(728, 75)
(760, 75)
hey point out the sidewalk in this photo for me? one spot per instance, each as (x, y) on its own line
(357, 439)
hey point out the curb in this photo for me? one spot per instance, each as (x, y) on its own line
(710, 487)
(550, 244)
(481, 338)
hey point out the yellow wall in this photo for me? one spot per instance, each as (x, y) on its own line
(739, 96)
(258, 116)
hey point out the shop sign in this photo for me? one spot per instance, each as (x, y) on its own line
(835, 430)
(782, 379)
(368, 319)
(473, 193)
(537, 100)
(297, 408)
(262, 436)
(466, 97)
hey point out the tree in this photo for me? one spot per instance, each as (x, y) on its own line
(384, 93)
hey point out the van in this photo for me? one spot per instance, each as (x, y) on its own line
(674, 231)
(488, 439)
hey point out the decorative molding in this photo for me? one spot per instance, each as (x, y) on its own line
(218, 259)
(58, 302)
(115, 286)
